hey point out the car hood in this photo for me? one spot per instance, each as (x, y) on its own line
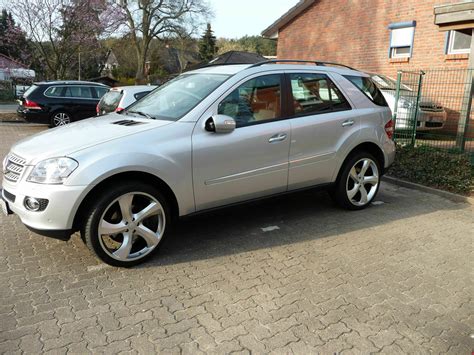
(63, 141)
(411, 98)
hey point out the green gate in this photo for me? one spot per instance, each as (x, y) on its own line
(433, 108)
(407, 99)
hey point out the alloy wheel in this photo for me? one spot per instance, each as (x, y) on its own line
(61, 119)
(362, 182)
(131, 226)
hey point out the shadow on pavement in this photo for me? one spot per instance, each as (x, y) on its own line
(299, 217)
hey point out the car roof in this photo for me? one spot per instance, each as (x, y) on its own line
(70, 82)
(231, 69)
(134, 88)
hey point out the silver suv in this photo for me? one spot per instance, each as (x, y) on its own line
(209, 138)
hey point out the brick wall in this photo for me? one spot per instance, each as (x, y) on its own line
(355, 32)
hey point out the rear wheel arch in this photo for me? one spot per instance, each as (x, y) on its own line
(368, 147)
(105, 184)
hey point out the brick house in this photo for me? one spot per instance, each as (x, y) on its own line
(373, 35)
(384, 36)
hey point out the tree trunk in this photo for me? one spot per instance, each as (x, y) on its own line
(142, 53)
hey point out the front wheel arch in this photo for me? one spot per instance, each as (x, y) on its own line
(126, 176)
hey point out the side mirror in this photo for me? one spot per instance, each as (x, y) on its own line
(220, 124)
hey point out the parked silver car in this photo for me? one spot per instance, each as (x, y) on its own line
(431, 115)
(209, 138)
(119, 98)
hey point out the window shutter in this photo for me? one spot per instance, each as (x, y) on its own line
(402, 37)
(446, 42)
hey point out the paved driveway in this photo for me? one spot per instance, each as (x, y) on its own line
(294, 274)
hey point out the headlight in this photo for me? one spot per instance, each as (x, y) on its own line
(5, 160)
(53, 171)
(405, 104)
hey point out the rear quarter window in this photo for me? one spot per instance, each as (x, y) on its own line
(54, 91)
(368, 87)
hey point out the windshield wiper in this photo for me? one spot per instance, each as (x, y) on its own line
(141, 113)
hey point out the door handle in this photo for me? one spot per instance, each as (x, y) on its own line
(277, 138)
(347, 123)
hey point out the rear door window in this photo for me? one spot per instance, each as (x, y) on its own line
(368, 87)
(316, 93)
(82, 92)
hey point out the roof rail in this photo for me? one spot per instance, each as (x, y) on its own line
(315, 62)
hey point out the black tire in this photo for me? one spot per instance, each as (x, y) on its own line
(54, 119)
(90, 228)
(340, 190)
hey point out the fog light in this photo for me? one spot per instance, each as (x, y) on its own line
(32, 204)
(35, 204)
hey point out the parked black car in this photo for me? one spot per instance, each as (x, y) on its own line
(60, 102)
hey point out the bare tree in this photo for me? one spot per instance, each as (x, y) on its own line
(59, 29)
(149, 19)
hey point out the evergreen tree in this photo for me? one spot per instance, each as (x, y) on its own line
(13, 41)
(207, 44)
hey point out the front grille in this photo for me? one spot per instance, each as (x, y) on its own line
(14, 167)
(433, 124)
(431, 108)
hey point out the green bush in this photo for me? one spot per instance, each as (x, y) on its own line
(434, 167)
(6, 96)
(6, 91)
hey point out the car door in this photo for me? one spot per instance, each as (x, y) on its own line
(252, 160)
(81, 101)
(323, 120)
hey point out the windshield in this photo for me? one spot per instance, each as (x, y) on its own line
(385, 83)
(177, 97)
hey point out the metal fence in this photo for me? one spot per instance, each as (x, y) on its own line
(434, 108)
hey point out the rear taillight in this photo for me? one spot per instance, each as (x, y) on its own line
(31, 105)
(389, 129)
(97, 109)
(119, 109)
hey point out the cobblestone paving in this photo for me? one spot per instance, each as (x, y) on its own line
(394, 278)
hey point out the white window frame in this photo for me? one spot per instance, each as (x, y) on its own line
(392, 53)
(451, 50)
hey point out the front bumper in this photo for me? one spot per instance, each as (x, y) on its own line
(426, 120)
(58, 216)
(431, 120)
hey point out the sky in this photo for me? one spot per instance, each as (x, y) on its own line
(235, 19)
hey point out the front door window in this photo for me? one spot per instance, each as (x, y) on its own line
(257, 100)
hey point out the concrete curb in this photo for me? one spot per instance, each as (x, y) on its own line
(22, 123)
(411, 185)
